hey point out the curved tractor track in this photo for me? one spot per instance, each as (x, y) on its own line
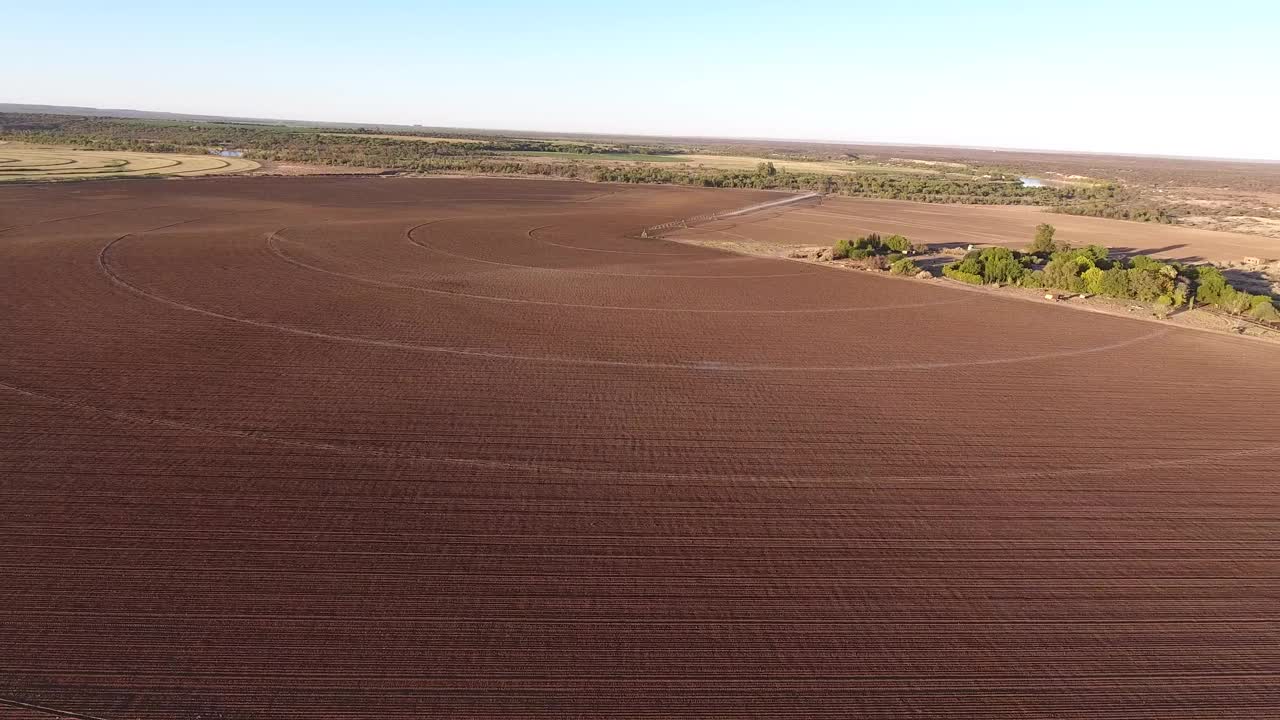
(367, 448)
(35, 163)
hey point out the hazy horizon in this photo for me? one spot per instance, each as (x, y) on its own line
(573, 132)
(1163, 79)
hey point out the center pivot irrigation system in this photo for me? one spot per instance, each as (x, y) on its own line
(657, 230)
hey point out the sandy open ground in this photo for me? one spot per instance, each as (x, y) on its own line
(1008, 225)
(338, 448)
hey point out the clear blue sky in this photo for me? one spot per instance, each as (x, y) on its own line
(1167, 77)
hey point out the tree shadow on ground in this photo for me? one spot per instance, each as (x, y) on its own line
(1128, 252)
(933, 262)
(1251, 280)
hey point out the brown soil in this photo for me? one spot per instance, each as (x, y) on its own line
(395, 448)
(960, 225)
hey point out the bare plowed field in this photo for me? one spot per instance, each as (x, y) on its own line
(334, 448)
(1007, 225)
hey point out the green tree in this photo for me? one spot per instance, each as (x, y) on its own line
(1211, 284)
(1064, 274)
(1094, 280)
(1181, 289)
(1043, 243)
(1000, 265)
(1234, 301)
(898, 243)
(1115, 283)
(1144, 262)
(1099, 255)
(1263, 309)
(1147, 285)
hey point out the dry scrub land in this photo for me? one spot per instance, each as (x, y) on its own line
(401, 448)
(1231, 195)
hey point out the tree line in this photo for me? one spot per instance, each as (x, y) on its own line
(1047, 263)
(364, 147)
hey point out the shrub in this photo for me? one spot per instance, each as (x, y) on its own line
(1235, 302)
(904, 266)
(1148, 264)
(841, 249)
(993, 265)
(969, 265)
(1006, 270)
(894, 257)
(953, 271)
(1115, 283)
(876, 262)
(1261, 308)
(1143, 262)
(1147, 285)
(1212, 288)
(1097, 254)
(999, 265)
(897, 243)
(1082, 259)
(861, 253)
(1033, 279)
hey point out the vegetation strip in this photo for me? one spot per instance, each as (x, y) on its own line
(1092, 270)
(624, 161)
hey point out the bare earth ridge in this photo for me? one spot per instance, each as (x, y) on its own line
(402, 448)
